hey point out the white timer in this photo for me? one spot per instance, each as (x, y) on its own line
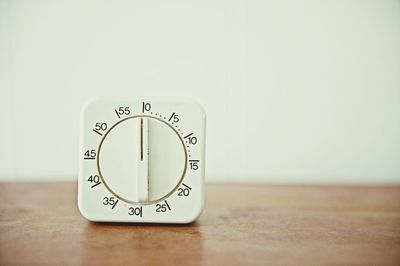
(142, 160)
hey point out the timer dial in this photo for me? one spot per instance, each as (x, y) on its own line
(142, 159)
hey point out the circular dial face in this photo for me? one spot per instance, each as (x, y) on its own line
(142, 159)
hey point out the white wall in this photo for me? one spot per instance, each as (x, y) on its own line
(295, 91)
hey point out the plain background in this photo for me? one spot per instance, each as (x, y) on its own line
(295, 91)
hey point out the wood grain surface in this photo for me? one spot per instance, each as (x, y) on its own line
(241, 225)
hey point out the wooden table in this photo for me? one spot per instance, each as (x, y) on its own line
(242, 224)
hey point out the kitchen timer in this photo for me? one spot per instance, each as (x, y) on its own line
(141, 160)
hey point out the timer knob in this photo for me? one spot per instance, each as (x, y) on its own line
(142, 159)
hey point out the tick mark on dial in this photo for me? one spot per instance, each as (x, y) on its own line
(119, 117)
(97, 132)
(114, 204)
(186, 186)
(169, 208)
(188, 135)
(96, 184)
(171, 117)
